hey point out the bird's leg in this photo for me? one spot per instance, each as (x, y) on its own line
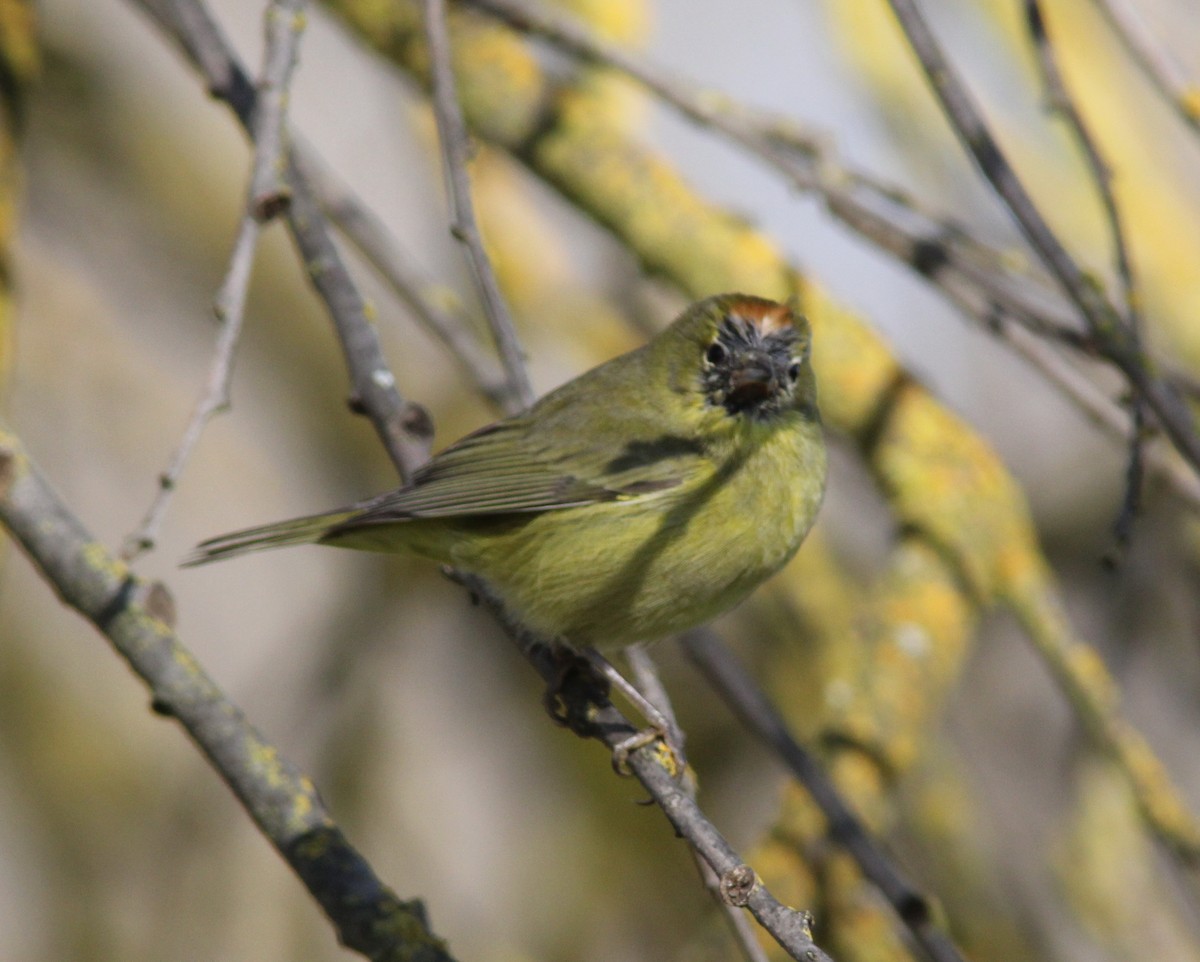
(661, 726)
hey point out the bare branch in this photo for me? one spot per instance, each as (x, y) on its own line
(135, 615)
(402, 426)
(750, 704)
(267, 197)
(456, 149)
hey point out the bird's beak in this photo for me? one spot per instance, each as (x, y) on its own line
(752, 381)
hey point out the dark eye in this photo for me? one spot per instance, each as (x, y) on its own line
(716, 353)
(794, 371)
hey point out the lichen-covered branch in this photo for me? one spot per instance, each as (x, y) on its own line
(135, 616)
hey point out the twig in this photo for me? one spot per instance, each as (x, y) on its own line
(1163, 71)
(1114, 339)
(267, 197)
(1060, 100)
(750, 704)
(456, 149)
(371, 237)
(402, 426)
(135, 616)
(739, 885)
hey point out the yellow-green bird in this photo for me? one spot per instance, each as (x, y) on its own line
(644, 497)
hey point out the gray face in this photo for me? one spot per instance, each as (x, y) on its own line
(749, 372)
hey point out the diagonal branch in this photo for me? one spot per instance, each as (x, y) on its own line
(398, 269)
(456, 149)
(135, 616)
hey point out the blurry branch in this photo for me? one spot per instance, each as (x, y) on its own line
(431, 305)
(655, 767)
(136, 615)
(1163, 71)
(879, 212)
(976, 277)
(267, 197)
(1061, 102)
(402, 426)
(1110, 335)
(456, 149)
(747, 700)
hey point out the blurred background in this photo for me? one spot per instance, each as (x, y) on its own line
(420, 725)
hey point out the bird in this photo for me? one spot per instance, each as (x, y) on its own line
(644, 497)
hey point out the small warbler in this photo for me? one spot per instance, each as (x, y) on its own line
(644, 497)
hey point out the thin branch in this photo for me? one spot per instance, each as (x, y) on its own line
(739, 884)
(456, 150)
(1163, 71)
(135, 615)
(267, 196)
(1113, 338)
(1063, 103)
(399, 270)
(402, 426)
(751, 705)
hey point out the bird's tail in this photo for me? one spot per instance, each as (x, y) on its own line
(306, 530)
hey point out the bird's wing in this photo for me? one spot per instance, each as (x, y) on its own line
(509, 468)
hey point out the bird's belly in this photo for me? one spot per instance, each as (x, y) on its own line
(616, 573)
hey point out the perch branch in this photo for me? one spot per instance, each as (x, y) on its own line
(789, 927)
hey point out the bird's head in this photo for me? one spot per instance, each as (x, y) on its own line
(752, 356)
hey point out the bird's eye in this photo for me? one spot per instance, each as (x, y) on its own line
(793, 371)
(716, 353)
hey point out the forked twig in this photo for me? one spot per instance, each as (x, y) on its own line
(267, 196)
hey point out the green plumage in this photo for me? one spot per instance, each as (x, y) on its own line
(642, 498)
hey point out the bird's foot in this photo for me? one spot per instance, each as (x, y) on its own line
(576, 689)
(660, 729)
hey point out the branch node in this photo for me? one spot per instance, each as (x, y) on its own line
(737, 884)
